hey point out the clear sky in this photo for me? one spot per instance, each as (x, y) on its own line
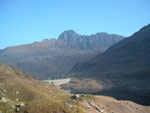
(26, 21)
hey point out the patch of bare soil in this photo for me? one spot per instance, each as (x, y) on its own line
(103, 104)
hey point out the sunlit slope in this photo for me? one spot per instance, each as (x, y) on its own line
(38, 97)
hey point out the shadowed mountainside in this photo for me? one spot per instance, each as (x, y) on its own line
(124, 66)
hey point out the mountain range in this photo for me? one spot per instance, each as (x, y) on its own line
(55, 57)
(101, 64)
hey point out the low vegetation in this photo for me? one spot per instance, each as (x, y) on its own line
(32, 96)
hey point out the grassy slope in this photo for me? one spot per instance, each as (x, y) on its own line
(40, 97)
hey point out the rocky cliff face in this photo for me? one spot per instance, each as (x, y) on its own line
(55, 57)
(96, 42)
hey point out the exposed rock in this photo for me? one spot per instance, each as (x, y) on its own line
(12, 106)
(17, 99)
(17, 109)
(75, 96)
(3, 100)
(20, 105)
(3, 90)
(17, 92)
(50, 91)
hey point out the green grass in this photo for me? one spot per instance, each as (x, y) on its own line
(6, 108)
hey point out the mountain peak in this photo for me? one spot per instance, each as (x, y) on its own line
(70, 31)
(143, 31)
(68, 34)
(145, 28)
(46, 40)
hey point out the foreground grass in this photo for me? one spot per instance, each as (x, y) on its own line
(37, 96)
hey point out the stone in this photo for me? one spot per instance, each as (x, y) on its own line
(17, 99)
(3, 100)
(17, 109)
(50, 91)
(12, 106)
(20, 105)
(70, 106)
(4, 91)
(17, 92)
(76, 96)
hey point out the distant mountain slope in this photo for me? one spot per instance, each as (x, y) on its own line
(125, 65)
(130, 53)
(55, 57)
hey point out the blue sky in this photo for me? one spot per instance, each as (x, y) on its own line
(26, 21)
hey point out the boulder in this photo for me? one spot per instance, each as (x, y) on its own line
(20, 105)
(17, 99)
(76, 96)
(3, 100)
(17, 92)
